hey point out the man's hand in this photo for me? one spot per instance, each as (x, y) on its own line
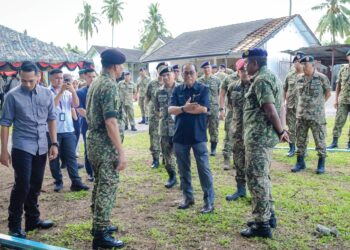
(222, 115)
(189, 107)
(284, 137)
(122, 162)
(63, 88)
(70, 88)
(53, 152)
(336, 105)
(5, 159)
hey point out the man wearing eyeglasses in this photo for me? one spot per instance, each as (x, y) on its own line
(189, 104)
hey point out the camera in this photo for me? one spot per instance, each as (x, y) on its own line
(67, 80)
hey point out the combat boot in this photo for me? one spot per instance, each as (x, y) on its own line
(321, 165)
(241, 192)
(172, 179)
(300, 164)
(334, 143)
(272, 221)
(226, 165)
(146, 120)
(126, 127)
(133, 128)
(213, 148)
(143, 120)
(103, 239)
(259, 229)
(291, 151)
(348, 145)
(155, 163)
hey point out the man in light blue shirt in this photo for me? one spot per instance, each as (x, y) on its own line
(65, 98)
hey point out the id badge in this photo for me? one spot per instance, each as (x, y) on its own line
(62, 117)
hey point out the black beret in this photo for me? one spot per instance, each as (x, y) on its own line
(223, 66)
(161, 64)
(348, 53)
(166, 70)
(176, 66)
(256, 52)
(214, 66)
(307, 59)
(298, 56)
(112, 56)
(55, 71)
(205, 64)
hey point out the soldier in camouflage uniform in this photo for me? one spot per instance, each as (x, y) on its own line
(141, 90)
(151, 90)
(313, 90)
(236, 91)
(127, 90)
(81, 80)
(104, 147)
(291, 97)
(262, 131)
(166, 123)
(178, 77)
(226, 113)
(213, 119)
(342, 102)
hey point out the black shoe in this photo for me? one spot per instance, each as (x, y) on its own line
(58, 187)
(17, 233)
(155, 163)
(213, 148)
(103, 239)
(207, 209)
(291, 151)
(172, 180)
(259, 229)
(146, 121)
(272, 221)
(334, 143)
(126, 127)
(142, 121)
(79, 187)
(186, 204)
(133, 128)
(300, 164)
(321, 165)
(63, 165)
(80, 166)
(41, 224)
(112, 229)
(91, 178)
(241, 192)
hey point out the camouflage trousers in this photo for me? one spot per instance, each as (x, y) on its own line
(228, 144)
(154, 136)
(166, 143)
(143, 106)
(291, 120)
(239, 159)
(104, 159)
(129, 112)
(258, 162)
(213, 124)
(319, 133)
(340, 119)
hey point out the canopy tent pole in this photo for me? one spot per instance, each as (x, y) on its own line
(332, 67)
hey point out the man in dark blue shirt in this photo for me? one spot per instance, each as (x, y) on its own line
(189, 104)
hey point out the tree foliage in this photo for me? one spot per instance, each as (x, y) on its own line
(113, 11)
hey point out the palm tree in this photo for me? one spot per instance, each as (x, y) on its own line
(112, 10)
(154, 27)
(336, 19)
(87, 22)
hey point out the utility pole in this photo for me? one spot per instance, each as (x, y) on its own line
(290, 7)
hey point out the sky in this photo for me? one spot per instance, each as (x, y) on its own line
(54, 21)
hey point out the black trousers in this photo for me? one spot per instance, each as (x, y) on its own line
(29, 174)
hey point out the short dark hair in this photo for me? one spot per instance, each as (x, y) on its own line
(28, 66)
(89, 71)
(192, 64)
(55, 71)
(260, 60)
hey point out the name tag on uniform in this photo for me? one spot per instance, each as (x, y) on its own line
(62, 117)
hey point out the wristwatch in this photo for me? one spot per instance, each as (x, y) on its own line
(54, 144)
(183, 110)
(281, 133)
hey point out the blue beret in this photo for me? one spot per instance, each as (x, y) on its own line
(223, 66)
(348, 53)
(161, 64)
(205, 64)
(255, 52)
(214, 66)
(307, 59)
(82, 71)
(176, 66)
(166, 70)
(112, 56)
(142, 69)
(298, 56)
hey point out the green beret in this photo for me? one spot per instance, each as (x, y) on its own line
(307, 59)
(166, 70)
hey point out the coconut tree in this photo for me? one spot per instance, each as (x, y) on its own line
(113, 10)
(336, 19)
(87, 23)
(154, 27)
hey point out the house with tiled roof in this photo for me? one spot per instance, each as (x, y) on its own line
(226, 44)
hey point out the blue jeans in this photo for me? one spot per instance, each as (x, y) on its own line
(88, 167)
(29, 174)
(77, 128)
(66, 152)
(183, 158)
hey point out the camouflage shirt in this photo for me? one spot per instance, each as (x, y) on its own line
(161, 104)
(344, 82)
(151, 90)
(142, 85)
(221, 75)
(290, 87)
(214, 87)
(225, 85)
(311, 101)
(265, 88)
(235, 93)
(127, 91)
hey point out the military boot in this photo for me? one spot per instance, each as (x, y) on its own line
(133, 128)
(272, 221)
(146, 120)
(300, 164)
(143, 120)
(241, 192)
(259, 229)
(103, 239)
(172, 179)
(291, 151)
(321, 165)
(126, 127)
(155, 163)
(226, 165)
(348, 145)
(213, 148)
(334, 143)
